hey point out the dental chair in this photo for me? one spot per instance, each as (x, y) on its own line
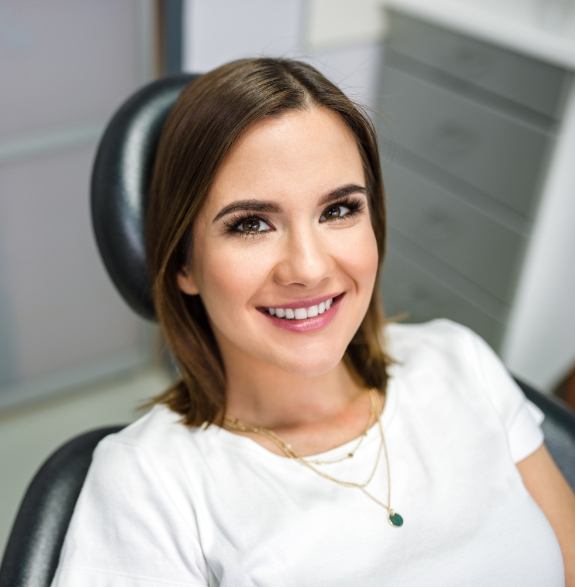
(120, 179)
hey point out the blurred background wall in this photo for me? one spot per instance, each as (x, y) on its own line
(72, 356)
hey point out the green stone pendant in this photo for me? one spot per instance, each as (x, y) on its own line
(395, 519)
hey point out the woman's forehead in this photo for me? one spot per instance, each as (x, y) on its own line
(301, 153)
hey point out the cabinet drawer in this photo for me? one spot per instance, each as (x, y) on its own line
(407, 288)
(459, 234)
(524, 80)
(499, 155)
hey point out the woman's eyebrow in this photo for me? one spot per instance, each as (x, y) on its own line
(341, 192)
(251, 205)
(273, 207)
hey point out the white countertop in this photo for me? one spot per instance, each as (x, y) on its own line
(544, 29)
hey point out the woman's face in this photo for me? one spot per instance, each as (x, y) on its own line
(286, 229)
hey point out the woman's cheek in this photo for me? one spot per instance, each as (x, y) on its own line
(241, 268)
(359, 250)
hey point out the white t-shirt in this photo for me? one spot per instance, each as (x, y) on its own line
(168, 505)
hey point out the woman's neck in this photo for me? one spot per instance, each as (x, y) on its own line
(277, 399)
(312, 414)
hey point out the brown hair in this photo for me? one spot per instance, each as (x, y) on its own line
(208, 118)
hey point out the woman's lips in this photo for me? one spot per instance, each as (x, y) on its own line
(307, 324)
(303, 303)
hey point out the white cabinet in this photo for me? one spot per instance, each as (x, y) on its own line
(469, 129)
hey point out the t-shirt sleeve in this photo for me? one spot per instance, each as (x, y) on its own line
(520, 417)
(127, 529)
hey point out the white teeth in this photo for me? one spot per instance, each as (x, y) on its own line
(301, 313)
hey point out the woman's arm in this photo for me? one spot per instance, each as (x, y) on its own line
(552, 493)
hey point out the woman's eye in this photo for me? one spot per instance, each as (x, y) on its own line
(252, 225)
(336, 211)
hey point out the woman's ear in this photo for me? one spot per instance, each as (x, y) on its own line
(186, 281)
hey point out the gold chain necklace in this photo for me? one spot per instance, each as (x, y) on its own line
(287, 447)
(372, 417)
(394, 518)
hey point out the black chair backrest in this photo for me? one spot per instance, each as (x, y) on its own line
(33, 549)
(120, 180)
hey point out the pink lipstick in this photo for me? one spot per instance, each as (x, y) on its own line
(307, 324)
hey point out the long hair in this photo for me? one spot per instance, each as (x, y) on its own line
(209, 117)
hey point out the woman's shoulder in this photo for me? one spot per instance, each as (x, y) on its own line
(453, 360)
(437, 339)
(134, 490)
(149, 435)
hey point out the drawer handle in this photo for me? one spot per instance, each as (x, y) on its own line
(452, 140)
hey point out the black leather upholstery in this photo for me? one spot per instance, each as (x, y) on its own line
(120, 180)
(33, 548)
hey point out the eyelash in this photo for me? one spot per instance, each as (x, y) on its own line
(354, 205)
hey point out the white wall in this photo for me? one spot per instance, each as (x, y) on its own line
(343, 39)
(540, 343)
(66, 66)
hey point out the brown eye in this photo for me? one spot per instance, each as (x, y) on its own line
(335, 212)
(252, 225)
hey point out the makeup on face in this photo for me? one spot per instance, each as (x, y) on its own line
(304, 316)
(249, 219)
(246, 218)
(284, 255)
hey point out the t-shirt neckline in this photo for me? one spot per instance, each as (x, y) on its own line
(240, 442)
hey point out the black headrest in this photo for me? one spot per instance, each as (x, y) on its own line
(120, 181)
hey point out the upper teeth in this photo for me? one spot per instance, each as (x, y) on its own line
(301, 313)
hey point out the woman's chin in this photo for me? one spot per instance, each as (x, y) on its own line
(308, 366)
(312, 358)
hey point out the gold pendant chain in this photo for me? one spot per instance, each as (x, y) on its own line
(371, 419)
(375, 411)
(286, 447)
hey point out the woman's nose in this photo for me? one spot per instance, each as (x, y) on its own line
(305, 259)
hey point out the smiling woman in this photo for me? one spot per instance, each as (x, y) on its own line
(315, 243)
(283, 205)
(294, 450)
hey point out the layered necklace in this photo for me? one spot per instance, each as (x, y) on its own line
(375, 409)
